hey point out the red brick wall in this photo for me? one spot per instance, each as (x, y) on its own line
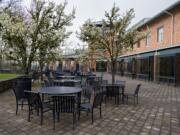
(177, 25)
(165, 21)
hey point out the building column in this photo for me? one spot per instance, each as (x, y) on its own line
(177, 71)
(156, 67)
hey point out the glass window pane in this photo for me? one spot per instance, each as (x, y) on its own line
(160, 33)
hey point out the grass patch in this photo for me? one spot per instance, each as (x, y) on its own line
(5, 76)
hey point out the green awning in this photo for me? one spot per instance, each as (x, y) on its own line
(101, 60)
(128, 59)
(168, 52)
(145, 55)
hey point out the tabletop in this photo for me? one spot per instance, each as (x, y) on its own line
(67, 80)
(60, 90)
(66, 76)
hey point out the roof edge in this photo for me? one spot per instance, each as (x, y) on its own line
(159, 14)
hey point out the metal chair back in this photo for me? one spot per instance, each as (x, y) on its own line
(87, 91)
(120, 82)
(104, 82)
(66, 104)
(137, 89)
(20, 86)
(97, 99)
(68, 84)
(112, 91)
(34, 99)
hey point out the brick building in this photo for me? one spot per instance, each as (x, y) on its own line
(157, 57)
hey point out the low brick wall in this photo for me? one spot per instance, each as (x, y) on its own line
(7, 84)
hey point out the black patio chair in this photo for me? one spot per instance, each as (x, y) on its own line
(67, 104)
(35, 103)
(99, 79)
(103, 89)
(87, 91)
(90, 81)
(122, 85)
(96, 83)
(68, 84)
(133, 95)
(120, 82)
(20, 98)
(47, 98)
(104, 82)
(113, 91)
(89, 107)
(35, 75)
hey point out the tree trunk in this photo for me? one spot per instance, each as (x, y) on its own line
(113, 71)
(113, 77)
(27, 71)
(41, 70)
(25, 68)
(28, 68)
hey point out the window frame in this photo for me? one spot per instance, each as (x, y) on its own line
(160, 35)
(148, 40)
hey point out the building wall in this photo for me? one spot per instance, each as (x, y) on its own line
(165, 21)
(177, 25)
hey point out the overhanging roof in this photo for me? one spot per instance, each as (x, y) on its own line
(150, 51)
(159, 14)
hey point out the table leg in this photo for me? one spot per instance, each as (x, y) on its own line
(123, 95)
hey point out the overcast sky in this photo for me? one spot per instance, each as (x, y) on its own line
(94, 9)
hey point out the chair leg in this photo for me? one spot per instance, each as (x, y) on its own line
(123, 98)
(79, 114)
(100, 112)
(58, 116)
(118, 99)
(137, 100)
(22, 105)
(115, 99)
(37, 110)
(54, 117)
(29, 114)
(92, 117)
(74, 119)
(16, 108)
(127, 99)
(41, 117)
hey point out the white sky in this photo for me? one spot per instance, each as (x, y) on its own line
(94, 9)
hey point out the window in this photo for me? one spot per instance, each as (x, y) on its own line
(160, 33)
(148, 40)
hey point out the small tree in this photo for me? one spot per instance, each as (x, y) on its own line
(111, 36)
(34, 32)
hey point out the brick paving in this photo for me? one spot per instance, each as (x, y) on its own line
(158, 113)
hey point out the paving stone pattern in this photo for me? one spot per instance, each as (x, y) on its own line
(158, 113)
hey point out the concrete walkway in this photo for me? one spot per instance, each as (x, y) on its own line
(158, 113)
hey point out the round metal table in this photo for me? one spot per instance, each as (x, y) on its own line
(57, 91)
(58, 95)
(65, 77)
(120, 85)
(67, 80)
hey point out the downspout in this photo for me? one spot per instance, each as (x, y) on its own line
(172, 25)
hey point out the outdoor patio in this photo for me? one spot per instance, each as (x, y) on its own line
(157, 113)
